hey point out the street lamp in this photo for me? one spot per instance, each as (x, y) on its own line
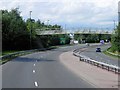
(30, 31)
(114, 24)
(48, 24)
(65, 26)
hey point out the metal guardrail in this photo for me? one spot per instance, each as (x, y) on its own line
(20, 53)
(108, 67)
(113, 54)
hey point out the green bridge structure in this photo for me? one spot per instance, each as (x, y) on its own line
(53, 32)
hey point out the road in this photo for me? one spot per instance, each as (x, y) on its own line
(100, 56)
(41, 70)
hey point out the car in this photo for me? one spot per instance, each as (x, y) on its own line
(98, 49)
(87, 44)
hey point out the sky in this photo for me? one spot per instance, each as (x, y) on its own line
(70, 14)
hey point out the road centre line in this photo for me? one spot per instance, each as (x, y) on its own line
(34, 64)
(36, 84)
(41, 56)
(33, 71)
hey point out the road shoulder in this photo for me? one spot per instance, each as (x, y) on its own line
(98, 77)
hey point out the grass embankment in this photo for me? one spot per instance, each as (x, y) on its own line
(8, 52)
(112, 54)
(25, 53)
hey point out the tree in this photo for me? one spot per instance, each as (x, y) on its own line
(115, 41)
(13, 29)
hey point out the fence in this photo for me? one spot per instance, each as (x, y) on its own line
(20, 53)
(102, 65)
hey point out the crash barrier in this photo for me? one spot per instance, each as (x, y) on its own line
(113, 54)
(20, 53)
(108, 67)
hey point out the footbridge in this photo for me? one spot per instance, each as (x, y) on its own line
(52, 32)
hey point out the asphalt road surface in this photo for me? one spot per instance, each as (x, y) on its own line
(100, 56)
(41, 70)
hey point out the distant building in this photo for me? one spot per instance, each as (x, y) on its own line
(119, 11)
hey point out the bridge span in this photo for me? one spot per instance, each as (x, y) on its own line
(53, 32)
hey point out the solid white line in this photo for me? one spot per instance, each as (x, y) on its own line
(36, 84)
(33, 71)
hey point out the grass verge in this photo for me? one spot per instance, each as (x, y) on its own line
(115, 56)
(3, 61)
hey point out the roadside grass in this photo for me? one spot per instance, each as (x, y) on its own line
(9, 52)
(3, 61)
(115, 56)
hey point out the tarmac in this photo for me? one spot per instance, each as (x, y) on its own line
(98, 77)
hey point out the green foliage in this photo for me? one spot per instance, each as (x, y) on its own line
(92, 38)
(52, 40)
(16, 32)
(116, 40)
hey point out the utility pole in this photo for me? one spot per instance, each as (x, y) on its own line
(114, 24)
(118, 12)
(48, 24)
(30, 31)
(65, 26)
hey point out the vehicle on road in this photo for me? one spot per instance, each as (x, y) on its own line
(98, 49)
(87, 44)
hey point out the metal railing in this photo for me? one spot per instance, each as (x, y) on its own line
(20, 53)
(108, 67)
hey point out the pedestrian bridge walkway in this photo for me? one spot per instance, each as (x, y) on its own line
(52, 32)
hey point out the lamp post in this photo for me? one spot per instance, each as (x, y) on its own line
(65, 26)
(48, 24)
(30, 31)
(114, 24)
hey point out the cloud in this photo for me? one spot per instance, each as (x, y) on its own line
(70, 12)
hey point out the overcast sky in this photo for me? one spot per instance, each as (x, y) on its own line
(69, 13)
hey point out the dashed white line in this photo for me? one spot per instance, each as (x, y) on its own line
(33, 71)
(36, 84)
(34, 65)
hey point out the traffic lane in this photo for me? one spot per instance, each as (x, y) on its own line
(20, 72)
(52, 74)
(100, 56)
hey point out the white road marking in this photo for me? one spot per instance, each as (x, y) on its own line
(33, 71)
(36, 84)
(34, 64)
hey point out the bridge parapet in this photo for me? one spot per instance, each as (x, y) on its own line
(52, 32)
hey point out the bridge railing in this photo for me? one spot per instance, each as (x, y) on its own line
(102, 65)
(48, 32)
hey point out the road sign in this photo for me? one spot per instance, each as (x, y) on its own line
(62, 40)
